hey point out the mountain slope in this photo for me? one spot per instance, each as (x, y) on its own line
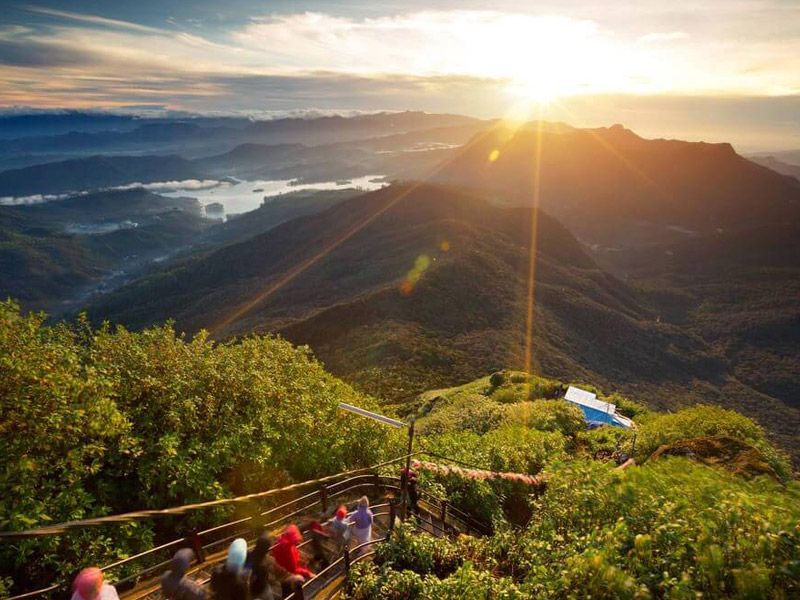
(432, 292)
(94, 172)
(614, 188)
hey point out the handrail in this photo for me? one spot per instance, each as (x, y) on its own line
(359, 557)
(62, 528)
(324, 494)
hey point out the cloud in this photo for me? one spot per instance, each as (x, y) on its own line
(667, 36)
(94, 20)
(157, 186)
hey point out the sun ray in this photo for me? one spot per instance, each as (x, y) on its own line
(290, 275)
(534, 223)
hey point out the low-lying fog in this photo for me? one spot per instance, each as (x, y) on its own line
(244, 196)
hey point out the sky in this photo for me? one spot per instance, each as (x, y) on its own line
(720, 70)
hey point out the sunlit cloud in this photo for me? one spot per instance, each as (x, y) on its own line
(464, 60)
(93, 19)
(667, 36)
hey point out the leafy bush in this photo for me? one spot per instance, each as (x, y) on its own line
(627, 407)
(497, 379)
(473, 412)
(547, 415)
(369, 583)
(409, 549)
(699, 421)
(413, 565)
(510, 394)
(603, 441)
(94, 422)
(668, 529)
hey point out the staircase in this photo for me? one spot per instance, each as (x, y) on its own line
(138, 577)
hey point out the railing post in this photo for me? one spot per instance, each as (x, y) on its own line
(346, 558)
(376, 479)
(406, 473)
(392, 515)
(444, 512)
(197, 545)
(323, 497)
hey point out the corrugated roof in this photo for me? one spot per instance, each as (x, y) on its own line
(584, 398)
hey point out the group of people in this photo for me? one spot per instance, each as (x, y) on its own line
(253, 574)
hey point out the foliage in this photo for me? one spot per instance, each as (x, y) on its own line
(603, 441)
(417, 565)
(547, 415)
(701, 421)
(473, 412)
(410, 550)
(509, 448)
(670, 529)
(95, 422)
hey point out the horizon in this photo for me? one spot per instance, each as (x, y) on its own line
(722, 72)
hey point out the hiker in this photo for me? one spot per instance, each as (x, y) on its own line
(286, 554)
(409, 476)
(340, 528)
(319, 555)
(229, 580)
(362, 522)
(175, 585)
(90, 585)
(264, 572)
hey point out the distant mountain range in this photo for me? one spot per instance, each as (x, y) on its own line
(394, 144)
(27, 141)
(93, 173)
(616, 189)
(665, 269)
(779, 166)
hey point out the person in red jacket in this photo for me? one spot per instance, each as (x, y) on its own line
(286, 554)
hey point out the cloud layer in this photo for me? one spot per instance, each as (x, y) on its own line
(403, 56)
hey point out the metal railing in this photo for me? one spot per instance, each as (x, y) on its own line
(209, 541)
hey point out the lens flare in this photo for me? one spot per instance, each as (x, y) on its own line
(421, 264)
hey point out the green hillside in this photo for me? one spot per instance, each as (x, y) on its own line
(717, 525)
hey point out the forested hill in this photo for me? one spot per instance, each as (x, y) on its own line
(614, 188)
(433, 291)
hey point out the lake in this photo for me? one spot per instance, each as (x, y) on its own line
(244, 196)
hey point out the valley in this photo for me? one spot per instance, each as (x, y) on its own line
(681, 257)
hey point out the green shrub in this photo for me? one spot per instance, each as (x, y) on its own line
(474, 412)
(603, 441)
(547, 415)
(699, 421)
(518, 377)
(410, 549)
(497, 379)
(94, 422)
(626, 407)
(368, 582)
(672, 528)
(509, 394)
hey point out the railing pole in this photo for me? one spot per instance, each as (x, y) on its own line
(346, 557)
(197, 545)
(405, 478)
(376, 479)
(392, 515)
(444, 512)
(323, 497)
